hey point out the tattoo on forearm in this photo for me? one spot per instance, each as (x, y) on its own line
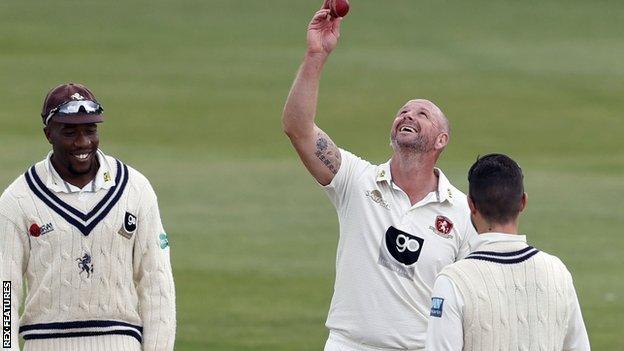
(327, 152)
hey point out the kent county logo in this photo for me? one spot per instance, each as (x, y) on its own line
(35, 230)
(375, 195)
(85, 264)
(442, 227)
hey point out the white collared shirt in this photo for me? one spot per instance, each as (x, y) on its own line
(389, 253)
(103, 179)
(445, 333)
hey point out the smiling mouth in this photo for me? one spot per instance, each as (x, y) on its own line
(407, 129)
(83, 156)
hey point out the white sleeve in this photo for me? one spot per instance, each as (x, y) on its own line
(576, 338)
(153, 277)
(14, 253)
(445, 331)
(469, 235)
(351, 167)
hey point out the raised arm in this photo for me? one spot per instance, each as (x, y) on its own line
(317, 151)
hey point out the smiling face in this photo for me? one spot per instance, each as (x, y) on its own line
(419, 126)
(74, 150)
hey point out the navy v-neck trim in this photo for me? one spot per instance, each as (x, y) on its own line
(85, 222)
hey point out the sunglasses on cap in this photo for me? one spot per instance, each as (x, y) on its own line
(75, 107)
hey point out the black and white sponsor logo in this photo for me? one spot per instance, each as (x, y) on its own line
(130, 222)
(129, 225)
(6, 314)
(46, 228)
(399, 251)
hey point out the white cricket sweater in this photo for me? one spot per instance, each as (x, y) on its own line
(97, 265)
(515, 297)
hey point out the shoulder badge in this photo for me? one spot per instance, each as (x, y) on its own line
(437, 304)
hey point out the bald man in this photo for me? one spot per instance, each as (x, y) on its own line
(401, 222)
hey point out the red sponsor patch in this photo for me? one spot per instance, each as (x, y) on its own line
(443, 225)
(34, 230)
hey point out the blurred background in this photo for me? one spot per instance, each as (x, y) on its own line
(193, 92)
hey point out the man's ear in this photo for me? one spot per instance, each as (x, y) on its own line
(46, 132)
(471, 205)
(524, 201)
(441, 141)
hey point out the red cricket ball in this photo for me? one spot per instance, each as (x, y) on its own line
(338, 8)
(34, 230)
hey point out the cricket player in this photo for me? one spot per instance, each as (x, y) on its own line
(83, 231)
(506, 295)
(401, 222)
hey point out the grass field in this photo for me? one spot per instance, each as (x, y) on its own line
(193, 92)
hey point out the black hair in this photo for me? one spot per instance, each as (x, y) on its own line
(496, 187)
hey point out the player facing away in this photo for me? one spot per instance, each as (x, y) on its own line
(401, 222)
(84, 231)
(505, 295)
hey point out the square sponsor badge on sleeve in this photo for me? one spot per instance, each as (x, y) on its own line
(437, 304)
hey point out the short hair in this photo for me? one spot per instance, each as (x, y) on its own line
(496, 187)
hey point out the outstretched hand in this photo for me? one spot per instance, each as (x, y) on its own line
(323, 32)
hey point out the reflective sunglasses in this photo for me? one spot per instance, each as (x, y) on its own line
(73, 107)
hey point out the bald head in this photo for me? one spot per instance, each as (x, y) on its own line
(439, 117)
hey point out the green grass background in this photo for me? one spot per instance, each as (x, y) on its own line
(193, 92)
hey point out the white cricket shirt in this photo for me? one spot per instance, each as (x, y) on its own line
(389, 253)
(446, 330)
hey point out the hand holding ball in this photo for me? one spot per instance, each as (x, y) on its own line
(337, 8)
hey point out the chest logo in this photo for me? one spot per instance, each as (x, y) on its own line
(404, 247)
(442, 227)
(85, 264)
(376, 196)
(35, 230)
(399, 252)
(129, 225)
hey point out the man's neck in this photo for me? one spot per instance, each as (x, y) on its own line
(77, 180)
(414, 174)
(507, 228)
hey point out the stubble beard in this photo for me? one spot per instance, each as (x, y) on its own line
(76, 172)
(420, 144)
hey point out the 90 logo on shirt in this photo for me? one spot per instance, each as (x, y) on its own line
(403, 242)
(404, 247)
